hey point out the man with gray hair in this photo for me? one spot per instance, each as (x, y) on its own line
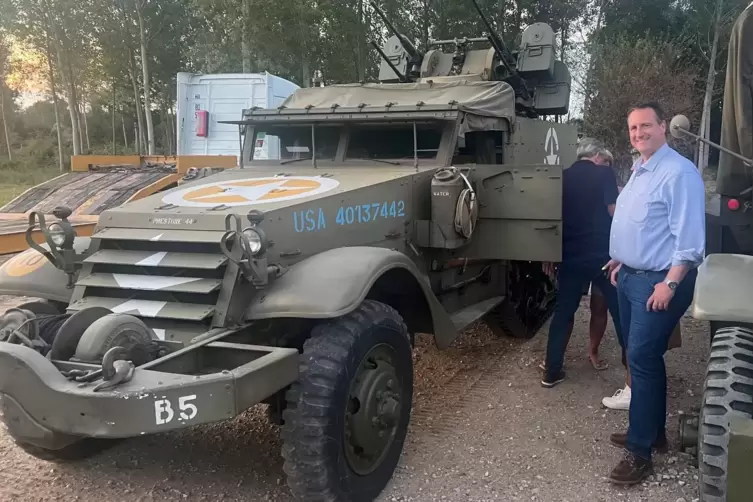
(589, 194)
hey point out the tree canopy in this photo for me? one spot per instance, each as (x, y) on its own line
(106, 68)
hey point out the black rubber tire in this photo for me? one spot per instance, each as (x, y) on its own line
(728, 391)
(313, 428)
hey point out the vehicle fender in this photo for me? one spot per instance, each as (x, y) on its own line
(31, 274)
(333, 283)
(723, 289)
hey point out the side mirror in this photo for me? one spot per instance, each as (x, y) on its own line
(679, 125)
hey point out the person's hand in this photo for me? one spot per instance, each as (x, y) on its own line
(612, 267)
(660, 299)
(548, 268)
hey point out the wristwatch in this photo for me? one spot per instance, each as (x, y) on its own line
(672, 284)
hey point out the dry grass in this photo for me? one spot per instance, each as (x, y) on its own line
(17, 177)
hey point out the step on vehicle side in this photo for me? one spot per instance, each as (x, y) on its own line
(419, 204)
(722, 434)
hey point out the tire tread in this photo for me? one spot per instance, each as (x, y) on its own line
(307, 463)
(728, 391)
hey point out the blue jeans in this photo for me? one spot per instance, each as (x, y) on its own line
(570, 277)
(648, 335)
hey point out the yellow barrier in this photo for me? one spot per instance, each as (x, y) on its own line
(81, 163)
(13, 225)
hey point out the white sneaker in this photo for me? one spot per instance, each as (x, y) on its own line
(620, 400)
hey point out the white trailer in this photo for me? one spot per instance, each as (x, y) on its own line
(204, 100)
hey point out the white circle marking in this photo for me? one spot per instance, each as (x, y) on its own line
(251, 191)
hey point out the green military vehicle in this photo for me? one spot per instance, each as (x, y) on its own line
(418, 204)
(722, 435)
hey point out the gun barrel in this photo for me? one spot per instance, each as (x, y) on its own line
(384, 17)
(407, 45)
(499, 45)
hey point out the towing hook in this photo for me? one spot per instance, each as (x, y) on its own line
(115, 371)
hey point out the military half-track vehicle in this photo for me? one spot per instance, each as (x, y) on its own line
(722, 434)
(399, 207)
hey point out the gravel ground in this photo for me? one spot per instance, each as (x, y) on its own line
(482, 429)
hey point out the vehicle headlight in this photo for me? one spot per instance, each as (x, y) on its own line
(57, 234)
(255, 240)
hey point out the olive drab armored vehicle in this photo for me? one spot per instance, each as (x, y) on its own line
(417, 204)
(722, 434)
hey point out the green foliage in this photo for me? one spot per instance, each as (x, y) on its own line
(99, 49)
(632, 70)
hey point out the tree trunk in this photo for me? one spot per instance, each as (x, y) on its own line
(112, 110)
(426, 23)
(53, 90)
(147, 86)
(5, 120)
(306, 74)
(68, 82)
(125, 133)
(703, 149)
(138, 132)
(245, 28)
(86, 126)
(592, 62)
(166, 127)
(139, 111)
(361, 43)
(167, 119)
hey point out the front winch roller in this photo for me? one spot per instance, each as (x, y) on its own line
(67, 337)
(117, 330)
(118, 342)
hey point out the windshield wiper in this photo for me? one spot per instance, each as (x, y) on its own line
(289, 161)
(394, 163)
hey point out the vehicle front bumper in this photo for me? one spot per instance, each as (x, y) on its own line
(42, 407)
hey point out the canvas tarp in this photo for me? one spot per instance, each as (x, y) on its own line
(488, 105)
(737, 112)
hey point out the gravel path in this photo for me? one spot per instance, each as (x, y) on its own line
(483, 429)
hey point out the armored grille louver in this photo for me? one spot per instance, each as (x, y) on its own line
(162, 275)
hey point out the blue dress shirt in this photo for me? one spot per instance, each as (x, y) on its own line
(660, 218)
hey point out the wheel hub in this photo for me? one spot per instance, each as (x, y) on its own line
(373, 410)
(688, 428)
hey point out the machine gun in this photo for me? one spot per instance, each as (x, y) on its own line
(506, 59)
(541, 83)
(405, 63)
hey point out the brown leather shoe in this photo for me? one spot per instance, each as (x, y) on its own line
(631, 470)
(620, 438)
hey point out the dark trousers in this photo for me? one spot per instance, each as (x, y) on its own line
(647, 336)
(570, 278)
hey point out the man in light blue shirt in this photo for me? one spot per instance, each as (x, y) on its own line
(656, 243)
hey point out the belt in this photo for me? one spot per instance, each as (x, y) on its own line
(631, 270)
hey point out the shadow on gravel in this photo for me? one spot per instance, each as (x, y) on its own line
(241, 454)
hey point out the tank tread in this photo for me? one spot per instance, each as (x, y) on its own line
(728, 391)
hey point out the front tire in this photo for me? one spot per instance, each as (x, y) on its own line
(728, 391)
(347, 415)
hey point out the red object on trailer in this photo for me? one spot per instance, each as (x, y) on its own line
(202, 123)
